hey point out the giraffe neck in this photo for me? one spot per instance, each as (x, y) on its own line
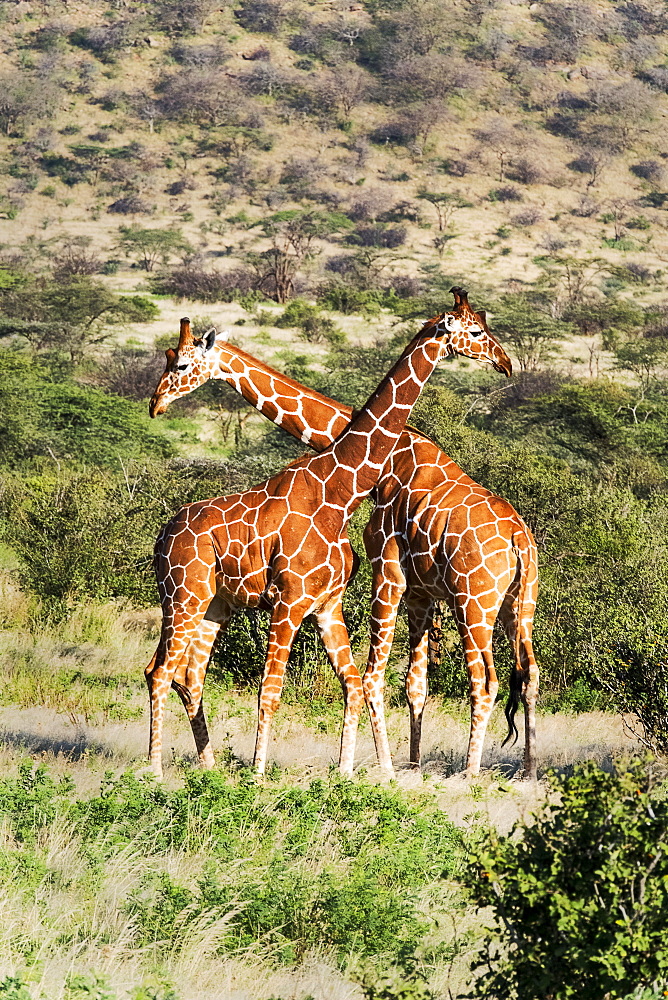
(304, 413)
(315, 419)
(352, 466)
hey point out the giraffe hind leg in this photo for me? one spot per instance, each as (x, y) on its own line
(188, 682)
(483, 688)
(524, 681)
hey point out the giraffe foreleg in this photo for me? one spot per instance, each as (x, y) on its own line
(334, 635)
(419, 623)
(285, 622)
(384, 609)
(159, 675)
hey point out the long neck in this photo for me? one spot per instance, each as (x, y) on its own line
(353, 465)
(304, 413)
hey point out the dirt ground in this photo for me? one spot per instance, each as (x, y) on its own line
(88, 750)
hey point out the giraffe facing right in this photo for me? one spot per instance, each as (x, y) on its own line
(283, 547)
(435, 535)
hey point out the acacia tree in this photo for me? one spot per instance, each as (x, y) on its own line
(569, 281)
(446, 204)
(293, 235)
(184, 17)
(72, 315)
(23, 100)
(93, 156)
(503, 139)
(569, 26)
(528, 329)
(647, 359)
(203, 96)
(345, 87)
(148, 246)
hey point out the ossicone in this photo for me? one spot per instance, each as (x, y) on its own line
(185, 336)
(461, 296)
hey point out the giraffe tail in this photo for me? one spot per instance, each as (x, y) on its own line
(517, 673)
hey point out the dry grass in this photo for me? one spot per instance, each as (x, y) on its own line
(75, 918)
(72, 931)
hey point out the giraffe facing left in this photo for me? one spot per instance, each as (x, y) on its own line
(283, 547)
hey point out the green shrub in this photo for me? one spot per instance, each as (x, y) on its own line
(580, 893)
(637, 679)
(13, 988)
(91, 534)
(47, 417)
(32, 800)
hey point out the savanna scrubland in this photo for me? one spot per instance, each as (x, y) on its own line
(312, 178)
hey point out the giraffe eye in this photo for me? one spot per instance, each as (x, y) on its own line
(182, 368)
(475, 331)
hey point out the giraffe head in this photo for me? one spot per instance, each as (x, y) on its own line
(461, 330)
(189, 366)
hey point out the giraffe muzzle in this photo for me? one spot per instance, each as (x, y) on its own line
(157, 405)
(505, 367)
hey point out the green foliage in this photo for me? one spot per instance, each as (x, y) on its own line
(55, 525)
(13, 988)
(343, 298)
(314, 326)
(637, 679)
(580, 893)
(71, 315)
(87, 987)
(375, 848)
(387, 850)
(47, 417)
(32, 800)
(525, 326)
(65, 168)
(396, 986)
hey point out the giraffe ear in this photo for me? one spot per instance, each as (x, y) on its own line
(483, 315)
(209, 339)
(170, 354)
(449, 321)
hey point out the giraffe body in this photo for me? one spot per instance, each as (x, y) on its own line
(283, 546)
(437, 535)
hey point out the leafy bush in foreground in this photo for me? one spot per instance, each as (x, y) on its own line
(579, 895)
(338, 864)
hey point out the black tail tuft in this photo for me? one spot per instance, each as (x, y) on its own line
(516, 681)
